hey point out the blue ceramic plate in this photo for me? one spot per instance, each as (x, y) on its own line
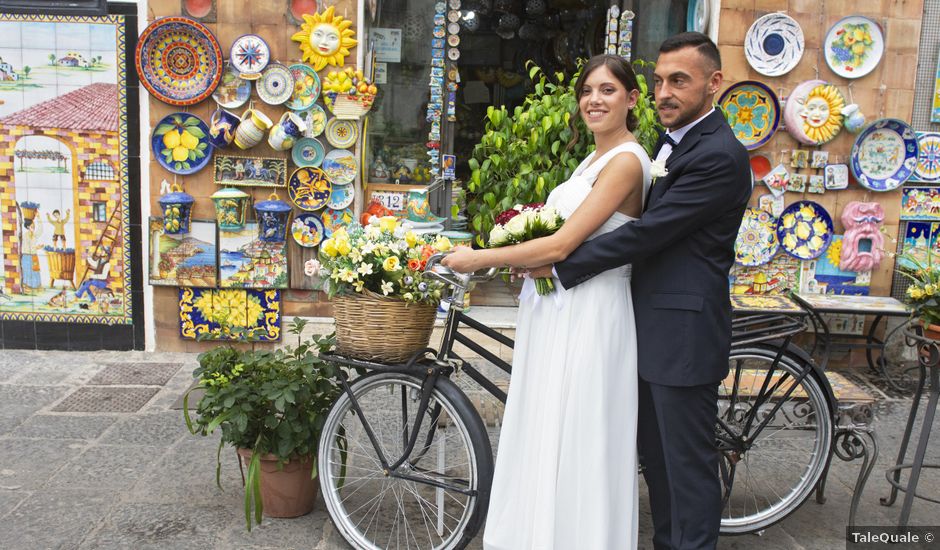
(180, 143)
(342, 196)
(774, 44)
(884, 155)
(307, 152)
(804, 230)
(697, 18)
(307, 230)
(309, 188)
(752, 111)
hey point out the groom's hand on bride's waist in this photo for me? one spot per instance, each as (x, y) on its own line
(541, 271)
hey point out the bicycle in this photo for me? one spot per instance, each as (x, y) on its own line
(405, 459)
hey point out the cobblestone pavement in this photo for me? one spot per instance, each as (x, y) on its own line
(94, 454)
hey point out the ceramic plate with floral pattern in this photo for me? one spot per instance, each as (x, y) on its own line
(757, 238)
(884, 155)
(928, 157)
(804, 230)
(306, 87)
(179, 60)
(854, 46)
(309, 188)
(341, 133)
(307, 230)
(752, 111)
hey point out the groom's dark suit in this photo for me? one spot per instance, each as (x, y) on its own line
(682, 249)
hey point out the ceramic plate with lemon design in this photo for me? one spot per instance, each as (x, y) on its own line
(805, 230)
(180, 143)
(854, 46)
(307, 230)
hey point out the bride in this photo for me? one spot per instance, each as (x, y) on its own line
(566, 466)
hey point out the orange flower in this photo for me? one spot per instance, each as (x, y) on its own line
(424, 264)
(414, 264)
(427, 251)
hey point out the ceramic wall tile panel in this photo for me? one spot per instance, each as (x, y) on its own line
(245, 261)
(65, 255)
(230, 314)
(187, 259)
(823, 276)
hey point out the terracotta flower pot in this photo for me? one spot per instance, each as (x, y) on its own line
(931, 331)
(288, 492)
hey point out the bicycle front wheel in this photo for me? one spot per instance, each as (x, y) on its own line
(441, 500)
(775, 431)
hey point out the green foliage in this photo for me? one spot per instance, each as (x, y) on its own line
(523, 155)
(272, 402)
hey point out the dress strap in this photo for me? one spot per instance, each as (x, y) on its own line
(595, 167)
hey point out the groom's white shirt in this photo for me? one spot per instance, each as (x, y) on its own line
(677, 136)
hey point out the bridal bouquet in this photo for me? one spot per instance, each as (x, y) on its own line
(383, 257)
(524, 223)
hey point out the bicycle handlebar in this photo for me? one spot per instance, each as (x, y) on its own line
(448, 276)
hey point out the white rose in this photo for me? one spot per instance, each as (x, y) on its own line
(517, 208)
(658, 169)
(549, 218)
(311, 268)
(516, 226)
(499, 236)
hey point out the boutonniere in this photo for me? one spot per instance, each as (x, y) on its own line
(658, 169)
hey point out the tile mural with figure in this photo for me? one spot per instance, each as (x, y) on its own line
(778, 276)
(63, 161)
(919, 237)
(245, 261)
(187, 259)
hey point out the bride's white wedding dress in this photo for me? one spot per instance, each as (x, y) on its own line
(566, 466)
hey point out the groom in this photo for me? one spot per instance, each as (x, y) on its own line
(681, 249)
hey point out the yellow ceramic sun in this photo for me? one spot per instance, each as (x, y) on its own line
(823, 113)
(325, 39)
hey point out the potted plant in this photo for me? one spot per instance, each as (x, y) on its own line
(923, 294)
(270, 405)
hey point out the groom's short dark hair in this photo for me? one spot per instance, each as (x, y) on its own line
(696, 40)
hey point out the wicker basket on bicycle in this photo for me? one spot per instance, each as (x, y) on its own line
(373, 327)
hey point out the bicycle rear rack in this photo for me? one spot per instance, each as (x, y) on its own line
(763, 327)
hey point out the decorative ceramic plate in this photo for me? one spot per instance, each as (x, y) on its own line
(760, 166)
(179, 60)
(334, 219)
(250, 55)
(309, 188)
(315, 119)
(180, 143)
(752, 111)
(341, 167)
(804, 230)
(884, 155)
(307, 230)
(854, 46)
(774, 44)
(697, 18)
(306, 87)
(307, 152)
(341, 133)
(928, 157)
(276, 84)
(757, 238)
(342, 196)
(232, 92)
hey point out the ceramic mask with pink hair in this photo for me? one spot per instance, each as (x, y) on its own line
(863, 243)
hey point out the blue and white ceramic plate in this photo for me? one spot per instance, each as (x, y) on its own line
(928, 157)
(884, 155)
(307, 230)
(774, 44)
(341, 196)
(804, 230)
(697, 18)
(307, 152)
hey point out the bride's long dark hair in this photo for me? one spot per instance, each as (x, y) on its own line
(622, 71)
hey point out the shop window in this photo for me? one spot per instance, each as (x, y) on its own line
(100, 170)
(495, 41)
(99, 211)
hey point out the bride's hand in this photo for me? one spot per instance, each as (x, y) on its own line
(541, 271)
(463, 260)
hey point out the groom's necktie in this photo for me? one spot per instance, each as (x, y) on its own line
(663, 151)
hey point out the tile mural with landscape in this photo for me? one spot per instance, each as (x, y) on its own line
(63, 161)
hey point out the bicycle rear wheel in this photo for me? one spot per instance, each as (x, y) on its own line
(442, 502)
(774, 438)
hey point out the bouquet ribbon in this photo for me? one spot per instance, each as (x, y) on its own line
(529, 292)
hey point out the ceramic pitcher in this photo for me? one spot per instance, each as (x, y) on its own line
(252, 128)
(288, 128)
(222, 126)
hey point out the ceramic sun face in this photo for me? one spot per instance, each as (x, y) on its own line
(813, 113)
(325, 39)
